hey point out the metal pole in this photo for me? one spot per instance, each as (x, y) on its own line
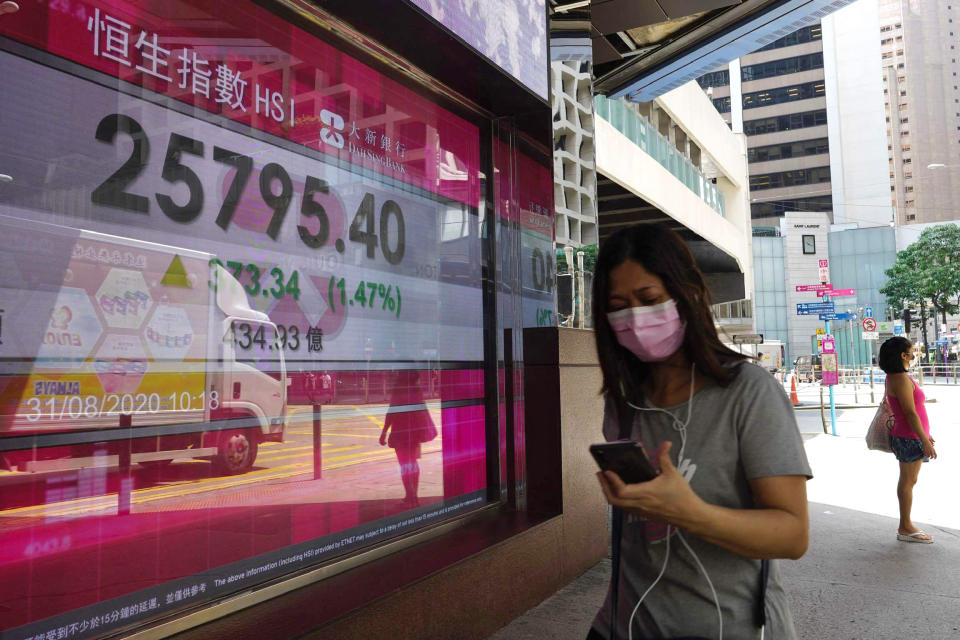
(124, 493)
(823, 417)
(317, 455)
(871, 385)
(833, 405)
(581, 299)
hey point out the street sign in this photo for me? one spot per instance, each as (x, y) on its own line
(868, 312)
(813, 287)
(824, 263)
(810, 308)
(869, 324)
(829, 369)
(824, 274)
(820, 330)
(815, 306)
(898, 328)
(828, 345)
(838, 316)
(748, 338)
(870, 335)
(837, 293)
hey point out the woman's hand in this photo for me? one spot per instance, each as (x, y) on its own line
(383, 438)
(667, 498)
(928, 450)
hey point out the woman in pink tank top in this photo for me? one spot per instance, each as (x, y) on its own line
(910, 438)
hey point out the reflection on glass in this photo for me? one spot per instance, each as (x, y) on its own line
(410, 426)
(216, 292)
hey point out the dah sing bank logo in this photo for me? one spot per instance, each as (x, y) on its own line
(331, 133)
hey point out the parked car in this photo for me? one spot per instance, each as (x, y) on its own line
(808, 368)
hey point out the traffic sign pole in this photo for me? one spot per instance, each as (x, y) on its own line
(833, 406)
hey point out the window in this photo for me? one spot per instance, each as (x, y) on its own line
(779, 95)
(722, 104)
(911, 216)
(215, 474)
(714, 79)
(782, 67)
(809, 244)
(816, 175)
(779, 207)
(806, 34)
(786, 122)
(789, 150)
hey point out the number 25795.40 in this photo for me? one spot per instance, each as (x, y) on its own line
(112, 192)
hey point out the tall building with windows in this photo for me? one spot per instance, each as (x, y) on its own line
(920, 42)
(776, 96)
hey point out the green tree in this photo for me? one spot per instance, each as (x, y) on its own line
(903, 287)
(939, 265)
(929, 269)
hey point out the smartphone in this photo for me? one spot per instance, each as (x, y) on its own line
(627, 459)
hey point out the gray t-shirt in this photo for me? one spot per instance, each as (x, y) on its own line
(738, 433)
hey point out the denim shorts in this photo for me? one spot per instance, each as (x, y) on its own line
(907, 449)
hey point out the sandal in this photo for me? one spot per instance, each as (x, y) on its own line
(917, 536)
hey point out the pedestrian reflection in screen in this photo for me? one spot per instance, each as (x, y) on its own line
(409, 425)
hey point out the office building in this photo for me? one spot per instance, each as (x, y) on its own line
(922, 98)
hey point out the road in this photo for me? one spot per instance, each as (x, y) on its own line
(351, 456)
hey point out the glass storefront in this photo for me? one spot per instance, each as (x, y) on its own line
(245, 326)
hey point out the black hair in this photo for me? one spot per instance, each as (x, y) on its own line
(890, 351)
(663, 253)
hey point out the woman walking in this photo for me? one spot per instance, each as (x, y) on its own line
(732, 485)
(910, 437)
(409, 424)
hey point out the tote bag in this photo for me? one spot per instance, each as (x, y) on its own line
(878, 435)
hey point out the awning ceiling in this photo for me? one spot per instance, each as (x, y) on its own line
(643, 48)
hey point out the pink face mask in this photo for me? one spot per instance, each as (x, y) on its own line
(651, 333)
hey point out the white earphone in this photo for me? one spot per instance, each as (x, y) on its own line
(681, 428)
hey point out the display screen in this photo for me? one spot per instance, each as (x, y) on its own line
(241, 310)
(512, 33)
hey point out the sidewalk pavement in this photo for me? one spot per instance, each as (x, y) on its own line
(856, 580)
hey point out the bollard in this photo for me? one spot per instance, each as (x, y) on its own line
(856, 385)
(872, 401)
(317, 457)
